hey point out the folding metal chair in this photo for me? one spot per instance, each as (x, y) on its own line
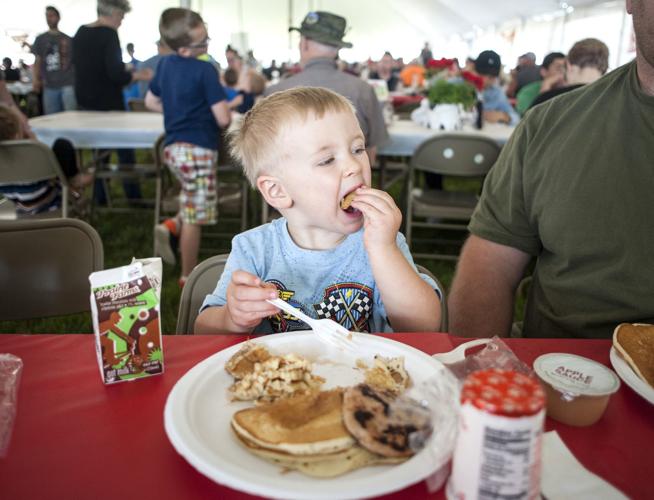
(45, 266)
(201, 282)
(27, 161)
(453, 155)
(444, 315)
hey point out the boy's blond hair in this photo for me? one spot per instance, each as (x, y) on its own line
(175, 25)
(9, 124)
(254, 141)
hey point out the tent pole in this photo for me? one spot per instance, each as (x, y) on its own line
(290, 23)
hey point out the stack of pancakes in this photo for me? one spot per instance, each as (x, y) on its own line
(329, 433)
(635, 342)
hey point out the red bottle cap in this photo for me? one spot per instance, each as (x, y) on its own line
(503, 392)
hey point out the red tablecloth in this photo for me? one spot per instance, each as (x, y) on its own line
(75, 438)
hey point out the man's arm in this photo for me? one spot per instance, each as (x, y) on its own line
(6, 99)
(37, 78)
(482, 295)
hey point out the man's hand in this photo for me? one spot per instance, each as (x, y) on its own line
(246, 300)
(381, 218)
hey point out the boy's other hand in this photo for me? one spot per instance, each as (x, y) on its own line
(246, 300)
(381, 217)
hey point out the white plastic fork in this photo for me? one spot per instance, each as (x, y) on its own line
(458, 353)
(328, 331)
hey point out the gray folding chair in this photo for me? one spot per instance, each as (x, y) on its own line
(25, 161)
(201, 282)
(453, 155)
(444, 315)
(45, 266)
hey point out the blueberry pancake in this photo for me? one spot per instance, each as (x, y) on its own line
(381, 422)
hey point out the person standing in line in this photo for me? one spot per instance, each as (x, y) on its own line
(53, 67)
(100, 76)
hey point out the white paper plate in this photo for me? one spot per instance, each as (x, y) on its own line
(629, 377)
(198, 413)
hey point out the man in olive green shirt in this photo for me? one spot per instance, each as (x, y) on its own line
(572, 188)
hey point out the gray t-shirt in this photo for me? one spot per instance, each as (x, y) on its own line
(573, 187)
(56, 53)
(322, 72)
(337, 284)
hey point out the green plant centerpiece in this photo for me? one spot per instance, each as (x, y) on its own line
(444, 92)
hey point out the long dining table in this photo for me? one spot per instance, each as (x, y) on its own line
(76, 438)
(405, 135)
(133, 129)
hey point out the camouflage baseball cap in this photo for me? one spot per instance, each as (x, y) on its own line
(324, 27)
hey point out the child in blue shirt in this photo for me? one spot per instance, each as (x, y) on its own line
(304, 151)
(187, 89)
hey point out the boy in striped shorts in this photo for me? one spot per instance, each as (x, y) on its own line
(186, 88)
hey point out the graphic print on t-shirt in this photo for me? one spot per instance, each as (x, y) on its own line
(349, 304)
(284, 322)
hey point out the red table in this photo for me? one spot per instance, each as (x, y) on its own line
(75, 438)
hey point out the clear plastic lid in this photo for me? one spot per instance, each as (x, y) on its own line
(576, 375)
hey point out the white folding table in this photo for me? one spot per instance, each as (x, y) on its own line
(100, 129)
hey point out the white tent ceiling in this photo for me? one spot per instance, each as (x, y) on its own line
(401, 26)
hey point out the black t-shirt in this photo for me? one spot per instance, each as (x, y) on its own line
(546, 96)
(100, 74)
(12, 75)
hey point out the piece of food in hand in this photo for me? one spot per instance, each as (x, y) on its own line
(388, 374)
(635, 342)
(383, 423)
(242, 363)
(347, 200)
(303, 424)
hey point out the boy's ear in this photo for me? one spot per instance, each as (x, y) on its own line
(273, 191)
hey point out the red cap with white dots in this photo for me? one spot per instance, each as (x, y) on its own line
(503, 392)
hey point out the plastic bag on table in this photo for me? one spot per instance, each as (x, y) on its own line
(496, 354)
(11, 368)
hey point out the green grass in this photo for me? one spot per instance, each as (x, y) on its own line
(127, 235)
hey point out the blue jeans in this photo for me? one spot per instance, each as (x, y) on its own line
(59, 99)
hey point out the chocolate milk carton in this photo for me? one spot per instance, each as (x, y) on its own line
(125, 308)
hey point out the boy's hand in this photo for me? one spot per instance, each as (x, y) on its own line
(246, 300)
(381, 217)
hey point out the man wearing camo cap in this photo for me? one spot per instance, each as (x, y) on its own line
(321, 38)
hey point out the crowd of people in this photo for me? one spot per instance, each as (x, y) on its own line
(305, 150)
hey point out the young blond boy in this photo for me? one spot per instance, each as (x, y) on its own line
(187, 90)
(304, 151)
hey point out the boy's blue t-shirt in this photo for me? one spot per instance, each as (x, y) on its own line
(337, 284)
(188, 87)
